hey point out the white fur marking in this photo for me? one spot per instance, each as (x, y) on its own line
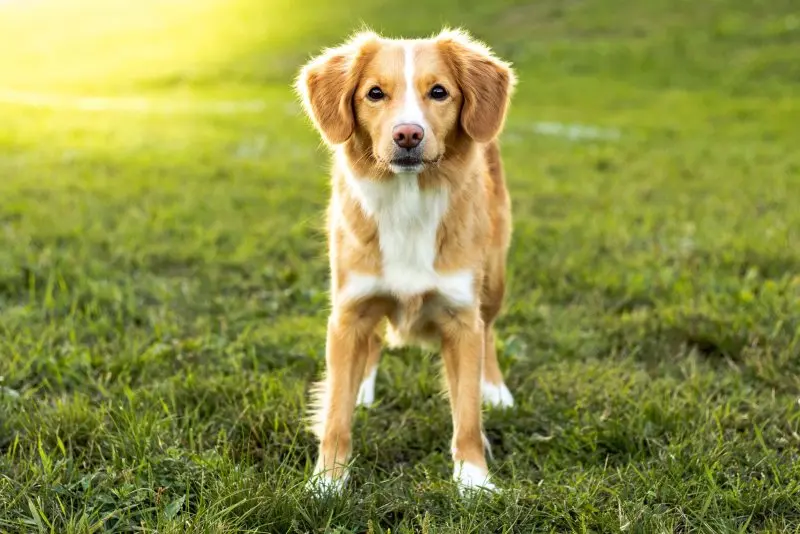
(359, 286)
(496, 395)
(411, 112)
(323, 485)
(457, 287)
(366, 392)
(408, 219)
(470, 477)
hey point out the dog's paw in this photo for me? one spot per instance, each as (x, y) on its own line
(366, 392)
(322, 484)
(496, 395)
(472, 479)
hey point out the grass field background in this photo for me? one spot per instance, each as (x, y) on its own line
(163, 275)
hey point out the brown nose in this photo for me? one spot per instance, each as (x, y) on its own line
(407, 135)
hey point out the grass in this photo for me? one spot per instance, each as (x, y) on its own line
(163, 279)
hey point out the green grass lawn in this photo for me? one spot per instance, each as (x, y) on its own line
(163, 274)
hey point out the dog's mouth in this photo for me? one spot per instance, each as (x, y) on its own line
(407, 161)
(410, 164)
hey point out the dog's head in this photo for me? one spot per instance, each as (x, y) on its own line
(401, 104)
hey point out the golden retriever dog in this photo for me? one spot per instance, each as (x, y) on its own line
(418, 224)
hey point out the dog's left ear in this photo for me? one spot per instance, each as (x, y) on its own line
(485, 81)
(326, 85)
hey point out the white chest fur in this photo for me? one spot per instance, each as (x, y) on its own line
(408, 220)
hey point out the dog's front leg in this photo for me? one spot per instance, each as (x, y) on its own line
(462, 351)
(348, 343)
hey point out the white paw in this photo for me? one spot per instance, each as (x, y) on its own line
(471, 478)
(366, 393)
(496, 395)
(322, 484)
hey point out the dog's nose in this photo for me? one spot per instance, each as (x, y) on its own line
(407, 135)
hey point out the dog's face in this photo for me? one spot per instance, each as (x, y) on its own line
(401, 104)
(407, 102)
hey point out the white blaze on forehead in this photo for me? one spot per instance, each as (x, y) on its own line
(411, 111)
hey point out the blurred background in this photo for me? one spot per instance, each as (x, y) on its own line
(163, 275)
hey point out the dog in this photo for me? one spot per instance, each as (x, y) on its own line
(418, 225)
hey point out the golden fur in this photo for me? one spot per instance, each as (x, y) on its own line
(460, 168)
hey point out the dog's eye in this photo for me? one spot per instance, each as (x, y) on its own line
(438, 92)
(375, 94)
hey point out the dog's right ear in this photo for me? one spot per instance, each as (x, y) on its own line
(326, 85)
(486, 82)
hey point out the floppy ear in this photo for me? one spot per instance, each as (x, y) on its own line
(326, 85)
(485, 81)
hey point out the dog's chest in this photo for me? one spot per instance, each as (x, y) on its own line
(408, 220)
